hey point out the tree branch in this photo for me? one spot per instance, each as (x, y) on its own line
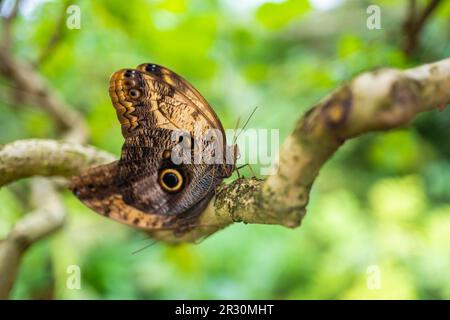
(49, 213)
(47, 218)
(7, 26)
(57, 36)
(27, 158)
(415, 22)
(374, 101)
(24, 77)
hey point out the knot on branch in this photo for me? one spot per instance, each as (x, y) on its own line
(402, 103)
(336, 110)
(324, 122)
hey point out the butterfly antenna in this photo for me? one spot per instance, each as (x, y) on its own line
(194, 225)
(245, 124)
(145, 247)
(174, 228)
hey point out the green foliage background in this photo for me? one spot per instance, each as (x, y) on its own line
(383, 200)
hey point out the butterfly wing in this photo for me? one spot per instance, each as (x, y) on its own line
(184, 87)
(144, 100)
(140, 166)
(128, 191)
(97, 189)
(150, 110)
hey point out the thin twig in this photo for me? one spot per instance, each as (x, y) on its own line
(7, 23)
(57, 35)
(23, 76)
(415, 22)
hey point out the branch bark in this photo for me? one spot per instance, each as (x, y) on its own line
(27, 158)
(45, 219)
(374, 101)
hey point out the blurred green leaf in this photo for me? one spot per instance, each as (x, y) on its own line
(277, 15)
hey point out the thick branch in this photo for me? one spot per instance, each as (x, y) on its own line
(45, 158)
(27, 158)
(374, 101)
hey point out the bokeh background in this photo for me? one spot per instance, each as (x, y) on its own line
(382, 201)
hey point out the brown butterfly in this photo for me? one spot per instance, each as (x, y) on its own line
(162, 116)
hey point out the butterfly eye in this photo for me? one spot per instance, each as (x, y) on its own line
(134, 93)
(170, 180)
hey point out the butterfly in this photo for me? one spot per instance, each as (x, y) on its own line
(173, 158)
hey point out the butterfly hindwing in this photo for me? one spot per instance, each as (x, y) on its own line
(97, 188)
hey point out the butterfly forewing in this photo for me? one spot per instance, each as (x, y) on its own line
(184, 87)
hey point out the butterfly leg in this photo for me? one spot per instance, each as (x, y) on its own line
(237, 171)
(250, 168)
